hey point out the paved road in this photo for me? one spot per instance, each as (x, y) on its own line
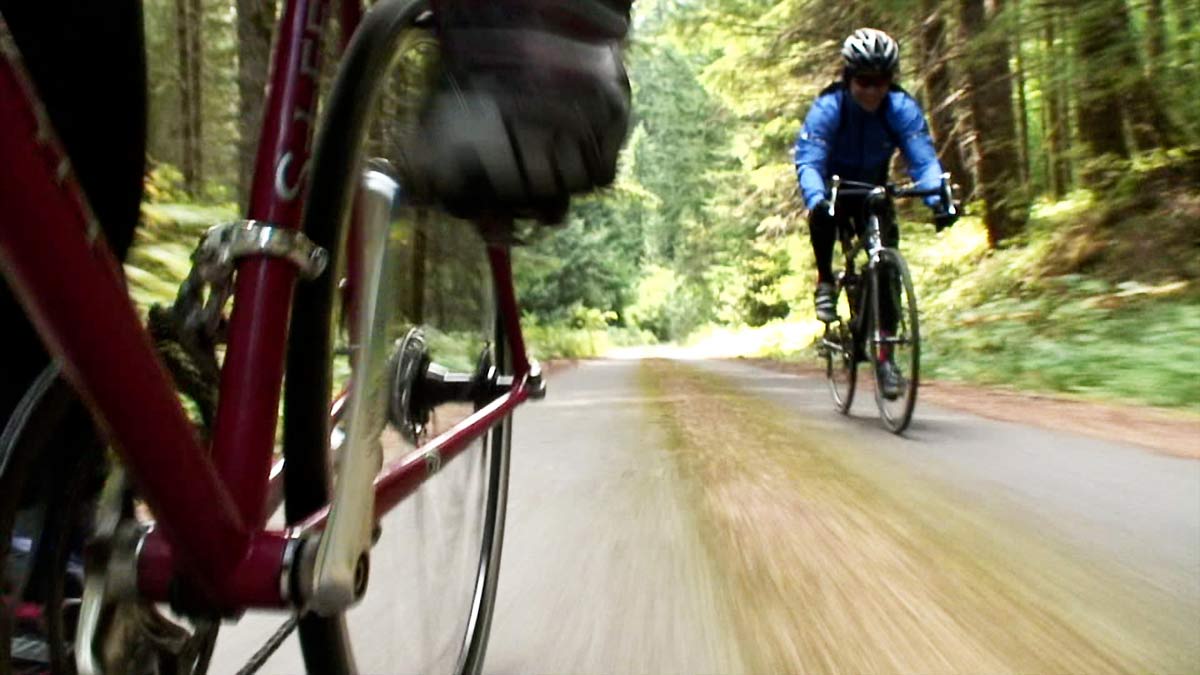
(604, 568)
(1127, 505)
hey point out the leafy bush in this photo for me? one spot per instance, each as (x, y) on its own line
(667, 307)
(553, 341)
(763, 300)
(558, 340)
(164, 184)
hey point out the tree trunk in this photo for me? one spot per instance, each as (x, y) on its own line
(1101, 115)
(1185, 54)
(255, 19)
(183, 30)
(1022, 103)
(1115, 89)
(938, 90)
(989, 96)
(195, 79)
(1185, 47)
(1058, 172)
(1151, 127)
(1156, 36)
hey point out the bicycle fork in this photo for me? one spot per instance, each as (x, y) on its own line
(871, 293)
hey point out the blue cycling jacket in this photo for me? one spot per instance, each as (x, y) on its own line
(839, 137)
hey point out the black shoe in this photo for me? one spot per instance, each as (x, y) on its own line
(532, 106)
(826, 301)
(891, 382)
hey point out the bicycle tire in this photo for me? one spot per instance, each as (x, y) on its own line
(50, 433)
(326, 643)
(897, 414)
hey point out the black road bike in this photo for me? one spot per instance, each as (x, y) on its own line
(876, 306)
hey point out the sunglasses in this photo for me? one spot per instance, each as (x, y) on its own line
(872, 81)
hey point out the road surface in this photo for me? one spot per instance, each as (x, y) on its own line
(979, 545)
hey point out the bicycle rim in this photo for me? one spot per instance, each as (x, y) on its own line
(434, 569)
(902, 344)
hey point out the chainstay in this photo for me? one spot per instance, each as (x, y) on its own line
(270, 646)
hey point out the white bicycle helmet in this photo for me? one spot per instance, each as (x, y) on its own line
(869, 50)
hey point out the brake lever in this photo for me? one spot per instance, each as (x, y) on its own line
(948, 195)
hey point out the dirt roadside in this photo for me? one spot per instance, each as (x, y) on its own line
(1168, 432)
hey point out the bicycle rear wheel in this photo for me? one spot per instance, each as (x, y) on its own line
(40, 519)
(901, 343)
(435, 566)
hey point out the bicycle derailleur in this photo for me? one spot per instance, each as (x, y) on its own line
(119, 632)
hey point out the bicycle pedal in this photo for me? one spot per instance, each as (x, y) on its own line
(537, 383)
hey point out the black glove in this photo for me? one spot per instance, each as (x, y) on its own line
(943, 219)
(533, 106)
(819, 213)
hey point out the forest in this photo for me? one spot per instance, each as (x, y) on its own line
(1070, 127)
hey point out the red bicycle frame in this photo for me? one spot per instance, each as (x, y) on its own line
(209, 503)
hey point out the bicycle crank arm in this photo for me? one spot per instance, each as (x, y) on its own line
(341, 562)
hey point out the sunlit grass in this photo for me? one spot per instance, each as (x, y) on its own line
(785, 339)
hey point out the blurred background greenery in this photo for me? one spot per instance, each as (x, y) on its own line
(1070, 124)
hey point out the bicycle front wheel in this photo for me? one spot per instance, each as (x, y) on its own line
(434, 567)
(838, 348)
(894, 340)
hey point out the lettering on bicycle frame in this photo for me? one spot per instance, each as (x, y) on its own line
(303, 118)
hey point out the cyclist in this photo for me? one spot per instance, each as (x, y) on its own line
(852, 130)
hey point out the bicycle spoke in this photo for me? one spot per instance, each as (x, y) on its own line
(838, 346)
(270, 646)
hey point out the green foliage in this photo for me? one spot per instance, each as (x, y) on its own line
(1095, 299)
(1139, 349)
(677, 152)
(1100, 296)
(164, 184)
(592, 262)
(666, 307)
(763, 299)
(569, 341)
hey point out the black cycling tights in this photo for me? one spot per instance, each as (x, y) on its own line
(822, 231)
(87, 61)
